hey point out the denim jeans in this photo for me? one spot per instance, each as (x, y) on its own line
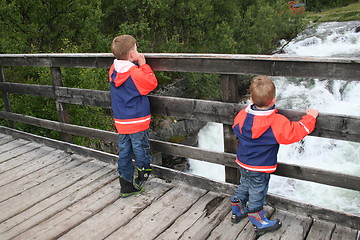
(133, 145)
(252, 189)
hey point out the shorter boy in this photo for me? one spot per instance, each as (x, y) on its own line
(131, 79)
(260, 130)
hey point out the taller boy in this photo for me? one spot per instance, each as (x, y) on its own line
(131, 79)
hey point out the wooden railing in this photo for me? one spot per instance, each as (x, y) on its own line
(228, 66)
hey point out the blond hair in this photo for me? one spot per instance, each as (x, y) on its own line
(122, 45)
(262, 91)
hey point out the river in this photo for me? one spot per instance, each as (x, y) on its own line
(332, 39)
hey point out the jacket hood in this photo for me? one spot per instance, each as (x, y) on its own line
(121, 71)
(262, 120)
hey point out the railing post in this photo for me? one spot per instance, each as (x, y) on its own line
(230, 93)
(5, 97)
(60, 107)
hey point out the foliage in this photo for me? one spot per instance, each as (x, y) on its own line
(33, 26)
(321, 5)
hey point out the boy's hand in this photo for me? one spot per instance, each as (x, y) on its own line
(312, 112)
(141, 60)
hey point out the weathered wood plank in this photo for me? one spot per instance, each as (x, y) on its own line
(26, 199)
(56, 203)
(44, 158)
(321, 230)
(34, 173)
(215, 212)
(162, 213)
(329, 68)
(12, 144)
(75, 214)
(228, 230)
(117, 214)
(316, 212)
(18, 155)
(189, 218)
(29, 89)
(5, 139)
(342, 232)
(294, 227)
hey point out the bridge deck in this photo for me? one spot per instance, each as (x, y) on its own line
(47, 193)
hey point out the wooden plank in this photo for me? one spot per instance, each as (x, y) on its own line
(56, 203)
(26, 199)
(214, 213)
(321, 230)
(44, 158)
(230, 93)
(118, 214)
(29, 89)
(35, 174)
(228, 230)
(294, 226)
(329, 68)
(189, 218)
(75, 214)
(322, 213)
(12, 144)
(18, 156)
(5, 139)
(160, 215)
(342, 232)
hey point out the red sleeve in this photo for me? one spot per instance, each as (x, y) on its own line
(144, 79)
(286, 131)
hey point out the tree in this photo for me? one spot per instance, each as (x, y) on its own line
(36, 26)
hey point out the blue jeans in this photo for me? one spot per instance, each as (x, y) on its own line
(252, 189)
(133, 145)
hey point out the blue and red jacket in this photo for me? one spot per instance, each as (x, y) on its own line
(129, 85)
(261, 131)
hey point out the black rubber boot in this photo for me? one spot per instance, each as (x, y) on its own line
(143, 175)
(128, 188)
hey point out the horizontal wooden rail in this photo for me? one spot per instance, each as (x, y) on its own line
(280, 65)
(226, 159)
(328, 125)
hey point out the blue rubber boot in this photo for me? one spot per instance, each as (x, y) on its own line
(262, 224)
(238, 210)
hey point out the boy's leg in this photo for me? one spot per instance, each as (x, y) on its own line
(126, 167)
(239, 200)
(141, 148)
(257, 192)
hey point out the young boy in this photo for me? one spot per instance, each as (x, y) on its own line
(260, 130)
(131, 79)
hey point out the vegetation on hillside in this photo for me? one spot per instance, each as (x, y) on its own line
(350, 12)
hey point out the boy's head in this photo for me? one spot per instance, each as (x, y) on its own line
(122, 46)
(262, 91)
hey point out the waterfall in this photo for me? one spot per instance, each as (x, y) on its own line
(332, 39)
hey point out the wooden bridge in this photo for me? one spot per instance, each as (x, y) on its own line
(51, 189)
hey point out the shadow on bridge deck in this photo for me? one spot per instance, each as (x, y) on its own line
(46, 193)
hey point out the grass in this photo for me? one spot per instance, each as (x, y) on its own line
(341, 14)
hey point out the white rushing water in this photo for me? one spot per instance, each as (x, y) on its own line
(328, 96)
